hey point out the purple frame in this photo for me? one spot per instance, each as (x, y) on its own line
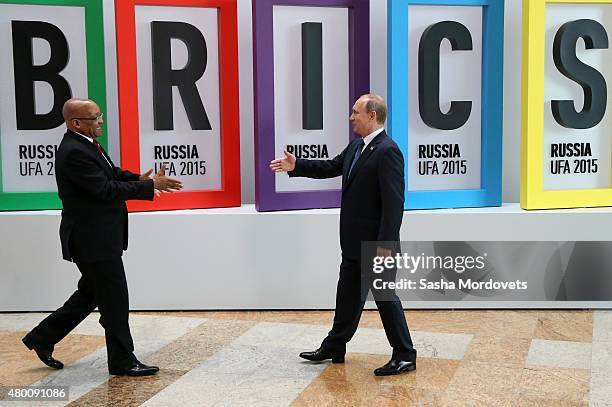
(266, 197)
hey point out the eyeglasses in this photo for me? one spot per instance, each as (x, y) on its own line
(98, 117)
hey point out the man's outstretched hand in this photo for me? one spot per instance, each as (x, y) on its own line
(284, 164)
(146, 175)
(165, 184)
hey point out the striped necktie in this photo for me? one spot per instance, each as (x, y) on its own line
(360, 145)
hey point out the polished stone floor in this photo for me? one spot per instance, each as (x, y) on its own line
(466, 358)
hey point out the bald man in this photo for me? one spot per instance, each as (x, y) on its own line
(93, 234)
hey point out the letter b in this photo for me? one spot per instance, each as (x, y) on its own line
(26, 73)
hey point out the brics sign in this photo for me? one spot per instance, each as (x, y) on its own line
(178, 96)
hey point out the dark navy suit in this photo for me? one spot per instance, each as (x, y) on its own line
(371, 210)
(94, 234)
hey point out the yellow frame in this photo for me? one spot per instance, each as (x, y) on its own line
(533, 195)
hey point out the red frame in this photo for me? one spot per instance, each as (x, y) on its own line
(129, 129)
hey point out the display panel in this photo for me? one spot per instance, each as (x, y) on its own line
(566, 152)
(446, 100)
(178, 98)
(54, 51)
(311, 63)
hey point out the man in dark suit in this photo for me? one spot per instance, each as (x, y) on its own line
(372, 169)
(94, 234)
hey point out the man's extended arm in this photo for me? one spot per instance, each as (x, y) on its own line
(84, 171)
(125, 175)
(309, 168)
(319, 168)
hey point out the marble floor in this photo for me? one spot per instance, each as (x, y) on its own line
(466, 358)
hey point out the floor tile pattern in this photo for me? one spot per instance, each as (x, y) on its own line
(466, 358)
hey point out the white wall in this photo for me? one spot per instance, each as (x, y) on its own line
(236, 258)
(378, 77)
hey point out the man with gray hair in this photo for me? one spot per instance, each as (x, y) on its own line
(372, 170)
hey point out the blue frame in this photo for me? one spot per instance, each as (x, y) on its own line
(489, 193)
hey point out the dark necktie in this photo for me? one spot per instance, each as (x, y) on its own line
(360, 145)
(98, 146)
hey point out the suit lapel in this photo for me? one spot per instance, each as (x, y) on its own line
(369, 150)
(95, 153)
(108, 159)
(103, 162)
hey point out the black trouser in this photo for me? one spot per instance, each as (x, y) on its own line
(103, 285)
(349, 305)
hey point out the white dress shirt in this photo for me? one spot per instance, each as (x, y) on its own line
(367, 139)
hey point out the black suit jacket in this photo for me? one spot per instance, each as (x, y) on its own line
(94, 223)
(372, 196)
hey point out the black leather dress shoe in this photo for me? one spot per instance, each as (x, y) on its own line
(321, 354)
(394, 367)
(137, 369)
(44, 355)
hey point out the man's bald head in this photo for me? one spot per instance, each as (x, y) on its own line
(83, 116)
(74, 107)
